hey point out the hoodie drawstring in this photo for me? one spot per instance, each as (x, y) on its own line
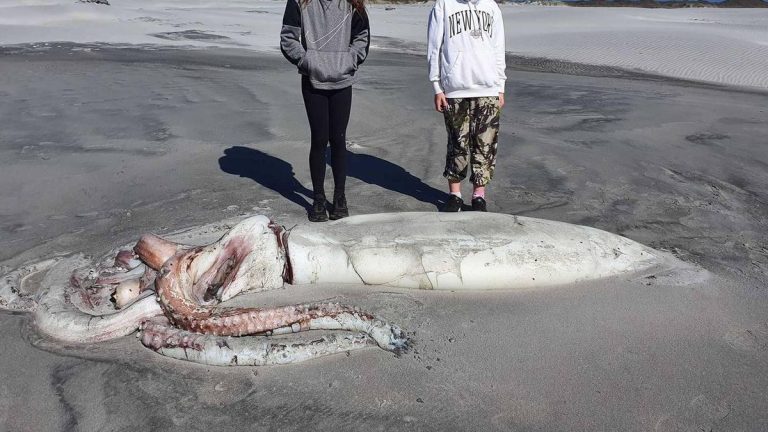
(479, 22)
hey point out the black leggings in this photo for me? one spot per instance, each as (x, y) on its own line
(328, 113)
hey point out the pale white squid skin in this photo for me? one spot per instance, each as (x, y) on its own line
(438, 251)
(461, 251)
(56, 310)
(56, 318)
(62, 313)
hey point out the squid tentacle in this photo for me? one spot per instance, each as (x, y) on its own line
(179, 294)
(159, 335)
(184, 320)
(57, 317)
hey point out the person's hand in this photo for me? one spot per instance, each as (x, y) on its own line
(501, 100)
(441, 102)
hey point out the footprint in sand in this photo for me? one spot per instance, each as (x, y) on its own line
(748, 340)
(15, 291)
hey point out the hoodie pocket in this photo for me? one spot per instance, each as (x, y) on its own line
(328, 66)
(453, 66)
(303, 64)
(473, 68)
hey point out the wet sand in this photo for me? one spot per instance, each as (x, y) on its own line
(99, 145)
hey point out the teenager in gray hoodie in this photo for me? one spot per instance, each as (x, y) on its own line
(327, 40)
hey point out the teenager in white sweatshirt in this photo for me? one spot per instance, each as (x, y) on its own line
(466, 68)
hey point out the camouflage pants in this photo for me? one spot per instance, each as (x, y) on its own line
(473, 132)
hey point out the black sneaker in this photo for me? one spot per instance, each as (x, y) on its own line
(340, 209)
(453, 204)
(478, 204)
(318, 213)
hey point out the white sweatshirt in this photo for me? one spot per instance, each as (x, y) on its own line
(466, 48)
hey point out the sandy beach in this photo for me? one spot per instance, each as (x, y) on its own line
(102, 141)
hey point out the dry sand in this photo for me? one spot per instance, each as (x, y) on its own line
(100, 145)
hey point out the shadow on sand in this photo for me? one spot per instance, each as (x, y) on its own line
(278, 175)
(266, 170)
(385, 174)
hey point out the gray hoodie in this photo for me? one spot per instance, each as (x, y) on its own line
(326, 39)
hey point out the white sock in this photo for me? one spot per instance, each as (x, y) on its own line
(458, 194)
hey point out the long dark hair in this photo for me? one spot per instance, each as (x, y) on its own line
(357, 5)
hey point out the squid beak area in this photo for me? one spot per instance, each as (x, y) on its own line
(211, 284)
(219, 279)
